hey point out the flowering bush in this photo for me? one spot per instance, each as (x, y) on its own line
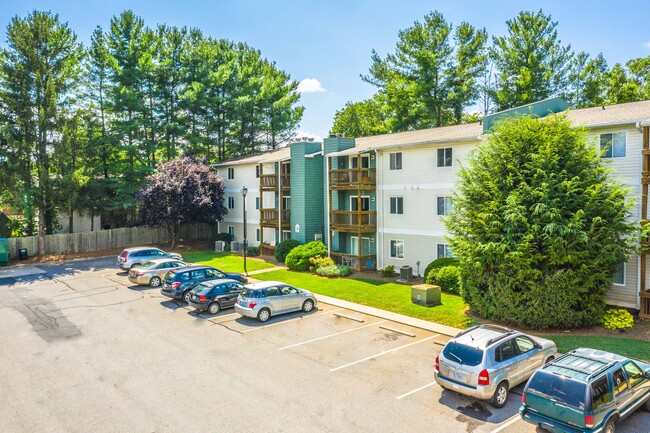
(318, 262)
(618, 319)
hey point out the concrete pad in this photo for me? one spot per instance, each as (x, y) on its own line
(20, 271)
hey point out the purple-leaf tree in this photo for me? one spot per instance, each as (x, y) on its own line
(181, 191)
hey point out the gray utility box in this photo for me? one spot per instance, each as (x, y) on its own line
(425, 294)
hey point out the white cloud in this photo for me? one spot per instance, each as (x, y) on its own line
(305, 136)
(645, 44)
(310, 85)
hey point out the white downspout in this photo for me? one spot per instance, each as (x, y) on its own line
(328, 201)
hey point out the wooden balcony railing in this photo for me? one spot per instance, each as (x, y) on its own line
(270, 217)
(353, 221)
(269, 182)
(644, 312)
(355, 261)
(353, 178)
(267, 249)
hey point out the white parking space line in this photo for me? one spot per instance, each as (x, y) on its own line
(415, 390)
(385, 352)
(331, 335)
(512, 420)
(287, 321)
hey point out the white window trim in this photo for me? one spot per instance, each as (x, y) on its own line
(624, 276)
(354, 198)
(355, 239)
(257, 234)
(233, 202)
(283, 232)
(233, 230)
(390, 250)
(444, 157)
(284, 197)
(445, 210)
(258, 202)
(401, 165)
(396, 197)
(229, 171)
(612, 145)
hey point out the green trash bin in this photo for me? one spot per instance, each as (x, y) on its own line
(4, 252)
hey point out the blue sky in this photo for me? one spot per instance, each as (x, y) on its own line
(331, 41)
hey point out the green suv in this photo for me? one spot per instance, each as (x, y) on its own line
(585, 391)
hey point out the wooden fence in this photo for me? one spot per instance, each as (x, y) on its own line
(104, 239)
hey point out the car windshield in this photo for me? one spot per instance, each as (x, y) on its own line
(558, 388)
(462, 354)
(201, 289)
(248, 293)
(147, 265)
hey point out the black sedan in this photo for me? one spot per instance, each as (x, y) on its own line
(179, 282)
(215, 295)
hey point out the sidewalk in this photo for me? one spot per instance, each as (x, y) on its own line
(372, 311)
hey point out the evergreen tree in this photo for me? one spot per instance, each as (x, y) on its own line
(361, 119)
(531, 61)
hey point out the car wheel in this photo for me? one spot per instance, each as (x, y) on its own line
(647, 405)
(610, 427)
(154, 281)
(500, 396)
(214, 308)
(186, 296)
(308, 305)
(264, 315)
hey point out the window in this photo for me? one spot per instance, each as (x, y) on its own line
(257, 202)
(365, 161)
(257, 171)
(524, 344)
(231, 202)
(354, 246)
(600, 392)
(505, 351)
(231, 231)
(213, 273)
(619, 274)
(365, 203)
(231, 173)
(444, 157)
(444, 251)
(397, 205)
(285, 168)
(396, 161)
(444, 205)
(257, 235)
(286, 203)
(273, 291)
(613, 145)
(286, 234)
(620, 382)
(397, 249)
(634, 373)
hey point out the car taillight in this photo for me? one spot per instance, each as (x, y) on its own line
(483, 378)
(175, 285)
(252, 305)
(202, 298)
(437, 366)
(523, 398)
(139, 274)
(589, 421)
(125, 254)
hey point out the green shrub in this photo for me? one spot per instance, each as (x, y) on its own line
(388, 271)
(331, 271)
(439, 263)
(253, 251)
(318, 262)
(447, 277)
(227, 237)
(345, 270)
(226, 248)
(283, 248)
(298, 258)
(617, 319)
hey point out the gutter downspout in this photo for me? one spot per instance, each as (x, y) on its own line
(279, 203)
(380, 205)
(328, 200)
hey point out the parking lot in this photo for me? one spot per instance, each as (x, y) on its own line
(85, 350)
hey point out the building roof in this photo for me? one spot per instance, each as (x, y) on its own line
(275, 155)
(628, 113)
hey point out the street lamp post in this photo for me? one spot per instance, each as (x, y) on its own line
(244, 191)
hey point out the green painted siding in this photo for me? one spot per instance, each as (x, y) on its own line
(307, 192)
(331, 145)
(536, 109)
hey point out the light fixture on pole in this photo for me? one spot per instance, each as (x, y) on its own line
(244, 191)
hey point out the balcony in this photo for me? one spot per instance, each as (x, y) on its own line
(271, 217)
(353, 178)
(267, 249)
(353, 221)
(269, 182)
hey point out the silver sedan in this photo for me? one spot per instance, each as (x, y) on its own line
(153, 271)
(268, 298)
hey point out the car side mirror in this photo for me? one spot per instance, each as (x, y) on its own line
(647, 374)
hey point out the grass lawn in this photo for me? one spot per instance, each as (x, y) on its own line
(629, 347)
(225, 261)
(379, 294)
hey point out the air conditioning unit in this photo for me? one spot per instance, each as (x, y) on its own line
(318, 237)
(219, 246)
(236, 246)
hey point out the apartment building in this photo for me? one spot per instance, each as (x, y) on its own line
(380, 201)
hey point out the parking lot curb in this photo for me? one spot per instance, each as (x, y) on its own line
(388, 315)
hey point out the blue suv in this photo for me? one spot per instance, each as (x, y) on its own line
(178, 283)
(585, 391)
